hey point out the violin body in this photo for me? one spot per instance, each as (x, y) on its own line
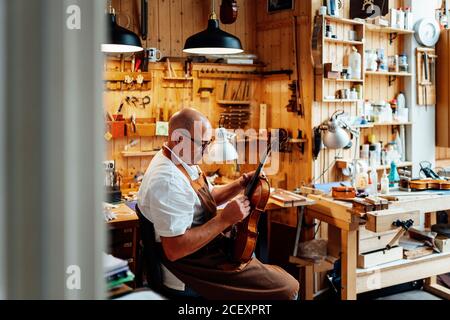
(247, 230)
(228, 11)
(429, 184)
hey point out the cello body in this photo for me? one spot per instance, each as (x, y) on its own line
(246, 231)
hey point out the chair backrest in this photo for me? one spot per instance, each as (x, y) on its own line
(150, 253)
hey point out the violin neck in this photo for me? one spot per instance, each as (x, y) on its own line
(252, 185)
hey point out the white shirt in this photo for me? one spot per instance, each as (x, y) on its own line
(168, 200)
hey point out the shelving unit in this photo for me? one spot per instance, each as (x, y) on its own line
(375, 85)
(329, 87)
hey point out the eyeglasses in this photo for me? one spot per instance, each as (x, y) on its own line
(204, 143)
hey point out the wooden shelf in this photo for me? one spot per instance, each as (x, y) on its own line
(346, 42)
(383, 124)
(177, 79)
(234, 102)
(344, 80)
(343, 164)
(120, 76)
(394, 123)
(385, 73)
(297, 140)
(340, 100)
(128, 154)
(343, 20)
(380, 29)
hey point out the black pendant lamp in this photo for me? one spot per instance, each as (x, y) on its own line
(120, 40)
(213, 40)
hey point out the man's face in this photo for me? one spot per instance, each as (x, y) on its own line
(192, 144)
(201, 139)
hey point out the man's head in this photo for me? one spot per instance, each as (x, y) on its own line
(189, 134)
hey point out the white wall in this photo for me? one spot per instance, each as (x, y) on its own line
(421, 145)
(51, 150)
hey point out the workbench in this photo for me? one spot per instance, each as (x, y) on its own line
(343, 228)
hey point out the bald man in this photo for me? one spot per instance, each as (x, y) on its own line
(176, 197)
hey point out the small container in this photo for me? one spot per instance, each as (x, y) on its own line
(384, 183)
(372, 154)
(364, 153)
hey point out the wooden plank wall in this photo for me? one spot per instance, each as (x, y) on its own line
(174, 96)
(275, 47)
(442, 153)
(171, 22)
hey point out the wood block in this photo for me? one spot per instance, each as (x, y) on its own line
(380, 221)
(379, 257)
(418, 253)
(442, 243)
(369, 241)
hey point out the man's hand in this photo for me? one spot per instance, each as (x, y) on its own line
(246, 178)
(237, 210)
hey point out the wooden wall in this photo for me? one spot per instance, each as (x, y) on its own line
(442, 153)
(171, 22)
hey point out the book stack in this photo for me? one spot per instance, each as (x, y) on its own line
(117, 272)
(286, 198)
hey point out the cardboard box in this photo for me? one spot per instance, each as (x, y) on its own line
(332, 67)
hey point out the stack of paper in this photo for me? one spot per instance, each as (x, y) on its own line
(117, 271)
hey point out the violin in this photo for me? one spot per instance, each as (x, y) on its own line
(228, 11)
(246, 231)
(429, 184)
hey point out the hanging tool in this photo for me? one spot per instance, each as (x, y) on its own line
(299, 94)
(225, 89)
(426, 76)
(144, 15)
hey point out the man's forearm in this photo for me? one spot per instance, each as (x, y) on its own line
(225, 193)
(193, 239)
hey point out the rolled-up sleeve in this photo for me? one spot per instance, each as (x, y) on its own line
(171, 207)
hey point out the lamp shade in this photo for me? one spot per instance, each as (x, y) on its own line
(213, 40)
(221, 149)
(335, 137)
(120, 40)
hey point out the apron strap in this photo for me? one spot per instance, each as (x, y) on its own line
(200, 186)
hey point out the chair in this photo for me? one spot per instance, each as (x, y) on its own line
(149, 253)
(151, 259)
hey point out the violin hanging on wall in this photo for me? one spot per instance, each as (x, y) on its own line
(228, 11)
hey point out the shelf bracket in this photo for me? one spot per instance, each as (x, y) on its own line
(392, 80)
(392, 37)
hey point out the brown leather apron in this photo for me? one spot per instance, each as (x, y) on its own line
(210, 272)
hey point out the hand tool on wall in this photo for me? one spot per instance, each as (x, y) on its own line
(299, 93)
(225, 89)
(144, 15)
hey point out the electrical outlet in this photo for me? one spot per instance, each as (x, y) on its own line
(109, 165)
